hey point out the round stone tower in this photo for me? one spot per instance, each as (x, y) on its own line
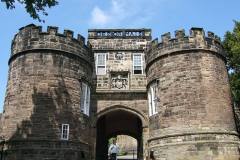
(193, 117)
(46, 109)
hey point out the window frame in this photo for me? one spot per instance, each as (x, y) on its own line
(63, 134)
(153, 98)
(133, 65)
(103, 66)
(85, 99)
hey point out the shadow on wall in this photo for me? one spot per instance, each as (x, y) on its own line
(237, 116)
(40, 136)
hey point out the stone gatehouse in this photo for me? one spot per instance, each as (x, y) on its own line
(66, 98)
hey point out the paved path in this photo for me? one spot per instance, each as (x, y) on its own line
(127, 157)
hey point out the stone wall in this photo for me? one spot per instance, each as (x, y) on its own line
(46, 70)
(127, 45)
(195, 115)
(132, 96)
(46, 150)
(127, 144)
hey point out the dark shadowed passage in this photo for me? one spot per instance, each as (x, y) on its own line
(115, 123)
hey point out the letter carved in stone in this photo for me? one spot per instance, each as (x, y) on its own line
(119, 56)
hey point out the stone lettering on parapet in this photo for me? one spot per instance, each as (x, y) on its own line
(120, 33)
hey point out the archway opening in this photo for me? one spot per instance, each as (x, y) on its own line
(114, 123)
(127, 147)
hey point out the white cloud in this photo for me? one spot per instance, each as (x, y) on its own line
(121, 13)
(99, 17)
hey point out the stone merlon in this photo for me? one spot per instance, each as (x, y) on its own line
(31, 37)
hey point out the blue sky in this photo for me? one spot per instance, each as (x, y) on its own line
(80, 15)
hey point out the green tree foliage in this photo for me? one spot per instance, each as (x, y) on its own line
(33, 7)
(232, 46)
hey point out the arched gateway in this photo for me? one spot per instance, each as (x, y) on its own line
(115, 121)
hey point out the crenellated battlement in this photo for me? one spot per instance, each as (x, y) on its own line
(197, 39)
(32, 37)
(52, 30)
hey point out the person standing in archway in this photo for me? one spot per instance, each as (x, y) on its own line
(113, 150)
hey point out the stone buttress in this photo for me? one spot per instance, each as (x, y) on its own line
(194, 119)
(46, 72)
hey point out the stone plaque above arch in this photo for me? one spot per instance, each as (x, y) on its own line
(119, 80)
